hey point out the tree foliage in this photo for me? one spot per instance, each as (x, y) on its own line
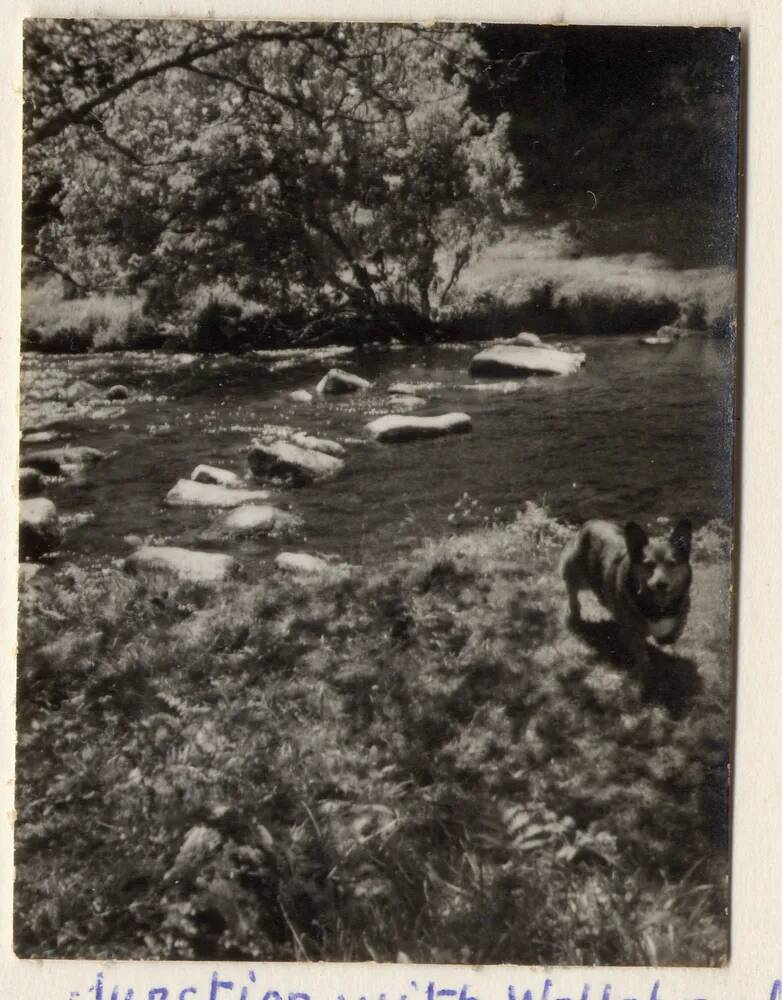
(308, 167)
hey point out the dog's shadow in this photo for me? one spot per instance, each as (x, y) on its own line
(667, 679)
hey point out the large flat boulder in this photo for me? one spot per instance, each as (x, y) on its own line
(291, 463)
(217, 477)
(188, 493)
(337, 381)
(395, 427)
(63, 461)
(252, 519)
(508, 359)
(326, 445)
(185, 564)
(39, 528)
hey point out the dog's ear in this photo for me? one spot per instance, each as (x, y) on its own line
(681, 538)
(636, 539)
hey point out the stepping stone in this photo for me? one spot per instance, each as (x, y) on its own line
(336, 381)
(63, 461)
(252, 519)
(395, 427)
(290, 462)
(217, 477)
(39, 528)
(505, 359)
(186, 564)
(526, 340)
(187, 493)
(300, 563)
(656, 341)
(325, 445)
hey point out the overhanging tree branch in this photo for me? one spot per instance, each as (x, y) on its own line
(184, 59)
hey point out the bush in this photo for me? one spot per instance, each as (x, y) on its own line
(216, 327)
(62, 340)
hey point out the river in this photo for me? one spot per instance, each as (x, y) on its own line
(641, 432)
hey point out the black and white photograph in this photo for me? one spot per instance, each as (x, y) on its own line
(377, 492)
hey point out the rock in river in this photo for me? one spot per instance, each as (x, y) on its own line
(80, 390)
(296, 465)
(252, 519)
(405, 403)
(117, 392)
(188, 493)
(39, 528)
(31, 482)
(493, 386)
(395, 427)
(656, 341)
(41, 437)
(63, 461)
(406, 389)
(187, 564)
(311, 443)
(526, 340)
(507, 359)
(218, 477)
(300, 563)
(337, 381)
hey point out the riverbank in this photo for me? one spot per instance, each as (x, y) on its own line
(409, 761)
(534, 279)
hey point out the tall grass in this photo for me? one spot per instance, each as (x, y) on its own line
(539, 279)
(415, 762)
(55, 324)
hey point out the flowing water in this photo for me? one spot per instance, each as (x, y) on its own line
(641, 432)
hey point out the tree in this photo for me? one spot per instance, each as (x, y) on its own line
(309, 167)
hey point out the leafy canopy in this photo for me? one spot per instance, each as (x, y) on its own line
(307, 166)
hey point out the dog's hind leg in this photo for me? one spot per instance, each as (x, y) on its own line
(571, 573)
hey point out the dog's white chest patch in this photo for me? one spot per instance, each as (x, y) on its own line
(662, 627)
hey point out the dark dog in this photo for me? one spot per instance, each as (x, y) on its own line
(644, 582)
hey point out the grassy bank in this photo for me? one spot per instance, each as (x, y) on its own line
(542, 280)
(416, 761)
(534, 279)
